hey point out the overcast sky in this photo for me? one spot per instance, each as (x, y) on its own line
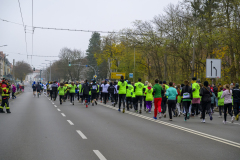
(102, 15)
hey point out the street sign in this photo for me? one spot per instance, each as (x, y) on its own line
(117, 75)
(95, 76)
(130, 75)
(213, 68)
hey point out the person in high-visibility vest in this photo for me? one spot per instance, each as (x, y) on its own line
(5, 96)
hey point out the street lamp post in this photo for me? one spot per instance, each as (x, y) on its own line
(50, 69)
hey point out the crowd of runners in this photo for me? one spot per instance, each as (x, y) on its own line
(188, 99)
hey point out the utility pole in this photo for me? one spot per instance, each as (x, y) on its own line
(134, 75)
(193, 58)
(40, 75)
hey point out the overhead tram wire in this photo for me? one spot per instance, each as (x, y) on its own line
(24, 29)
(80, 30)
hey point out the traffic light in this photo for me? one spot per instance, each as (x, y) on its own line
(33, 69)
(69, 63)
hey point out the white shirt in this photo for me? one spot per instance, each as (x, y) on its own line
(44, 86)
(116, 91)
(105, 88)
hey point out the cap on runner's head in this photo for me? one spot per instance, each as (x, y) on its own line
(139, 79)
(237, 85)
(194, 78)
(129, 82)
(160, 82)
(164, 82)
(182, 85)
(122, 77)
(232, 84)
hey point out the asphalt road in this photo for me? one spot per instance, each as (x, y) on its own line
(41, 129)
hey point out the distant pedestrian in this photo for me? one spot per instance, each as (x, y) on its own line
(13, 91)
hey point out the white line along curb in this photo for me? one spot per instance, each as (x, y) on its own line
(218, 139)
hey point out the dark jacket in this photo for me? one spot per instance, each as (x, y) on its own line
(111, 89)
(39, 87)
(236, 95)
(54, 87)
(205, 92)
(85, 89)
(94, 88)
(187, 89)
(34, 86)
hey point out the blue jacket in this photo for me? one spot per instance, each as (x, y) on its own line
(213, 98)
(171, 93)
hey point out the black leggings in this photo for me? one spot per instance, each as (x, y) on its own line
(220, 108)
(61, 98)
(104, 95)
(122, 98)
(72, 97)
(229, 108)
(171, 106)
(186, 105)
(205, 107)
(13, 94)
(139, 98)
(236, 106)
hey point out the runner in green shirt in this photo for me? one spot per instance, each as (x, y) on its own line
(61, 90)
(138, 88)
(72, 87)
(122, 90)
(196, 96)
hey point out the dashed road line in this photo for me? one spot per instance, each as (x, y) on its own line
(70, 122)
(99, 154)
(58, 109)
(218, 139)
(63, 115)
(55, 105)
(81, 134)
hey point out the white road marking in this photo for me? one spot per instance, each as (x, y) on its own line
(70, 122)
(63, 115)
(218, 139)
(58, 109)
(99, 154)
(81, 134)
(55, 105)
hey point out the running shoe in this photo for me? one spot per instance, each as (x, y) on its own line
(114, 104)
(140, 112)
(149, 112)
(164, 115)
(123, 110)
(185, 119)
(92, 104)
(160, 115)
(224, 122)
(188, 115)
(170, 119)
(96, 102)
(232, 119)
(154, 117)
(119, 110)
(136, 111)
(203, 121)
(219, 116)
(211, 118)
